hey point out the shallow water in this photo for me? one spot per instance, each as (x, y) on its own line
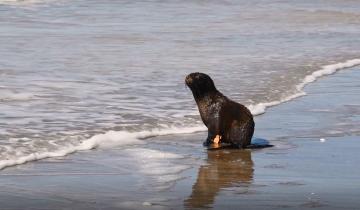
(72, 69)
(176, 172)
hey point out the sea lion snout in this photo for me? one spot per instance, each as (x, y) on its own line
(192, 78)
(188, 80)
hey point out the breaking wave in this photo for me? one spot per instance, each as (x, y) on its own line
(122, 138)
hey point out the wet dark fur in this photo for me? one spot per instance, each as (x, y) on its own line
(222, 116)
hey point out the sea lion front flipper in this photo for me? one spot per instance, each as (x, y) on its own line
(213, 142)
(209, 139)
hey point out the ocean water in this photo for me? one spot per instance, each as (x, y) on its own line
(76, 75)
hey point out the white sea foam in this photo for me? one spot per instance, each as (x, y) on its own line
(119, 138)
(260, 108)
(161, 166)
(110, 138)
(22, 2)
(6, 95)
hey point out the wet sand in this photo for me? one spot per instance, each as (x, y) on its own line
(299, 172)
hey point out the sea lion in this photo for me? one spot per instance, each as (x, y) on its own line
(227, 121)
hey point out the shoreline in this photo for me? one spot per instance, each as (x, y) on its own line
(176, 172)
(120, 138)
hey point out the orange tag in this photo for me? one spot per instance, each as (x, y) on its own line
(217, 139)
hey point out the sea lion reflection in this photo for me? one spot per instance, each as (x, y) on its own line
(225, 168)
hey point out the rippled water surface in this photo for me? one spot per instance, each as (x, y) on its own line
(72, 69)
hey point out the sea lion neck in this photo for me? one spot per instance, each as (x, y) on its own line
(206, 101)
(203, 97)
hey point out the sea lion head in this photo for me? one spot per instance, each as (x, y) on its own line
(200, 84)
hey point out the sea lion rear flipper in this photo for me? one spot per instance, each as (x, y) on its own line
(258, 143)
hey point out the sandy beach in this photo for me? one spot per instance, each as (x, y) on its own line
(96, 111)
(313, 164)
